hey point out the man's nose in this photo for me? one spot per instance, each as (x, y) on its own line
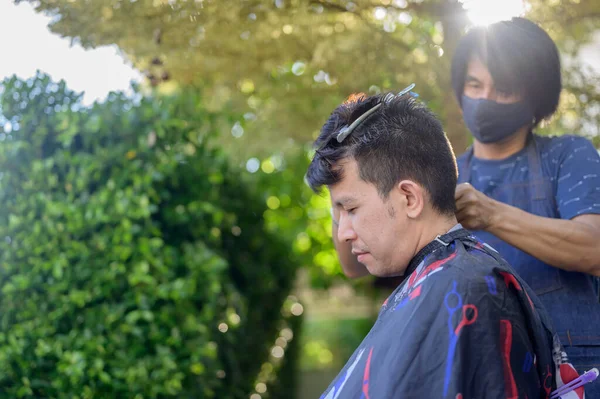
(345, 230)
(488, 93)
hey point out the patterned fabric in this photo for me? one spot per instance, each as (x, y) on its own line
(461, 325)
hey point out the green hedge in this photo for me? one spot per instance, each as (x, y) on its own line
(135, 261)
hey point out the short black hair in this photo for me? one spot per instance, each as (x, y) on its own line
(402, 139)
(521, 57)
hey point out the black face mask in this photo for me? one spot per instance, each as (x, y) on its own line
(490, 122)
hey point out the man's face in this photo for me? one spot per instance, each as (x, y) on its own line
(480, 84)
(378, 230)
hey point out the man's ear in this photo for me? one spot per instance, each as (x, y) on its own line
(413, 197)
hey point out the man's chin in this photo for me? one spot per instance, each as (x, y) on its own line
(378, 269)
(382, 272)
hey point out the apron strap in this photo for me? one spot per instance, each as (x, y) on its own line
(536, 175)
(465, 175)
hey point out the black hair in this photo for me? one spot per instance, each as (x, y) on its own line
(521, 58)
(400, 140)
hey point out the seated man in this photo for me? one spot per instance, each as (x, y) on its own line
(461, 324)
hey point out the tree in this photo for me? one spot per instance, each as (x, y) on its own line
(287, 63)
(136, 261)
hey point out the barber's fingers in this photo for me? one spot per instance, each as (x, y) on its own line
(462, 215)
(462, 189)
(462, 197)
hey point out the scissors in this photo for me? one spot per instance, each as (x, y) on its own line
(453, 332)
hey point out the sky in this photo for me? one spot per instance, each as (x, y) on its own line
(485, 12)
(28, 46)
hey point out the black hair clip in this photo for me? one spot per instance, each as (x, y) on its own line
(347, 130)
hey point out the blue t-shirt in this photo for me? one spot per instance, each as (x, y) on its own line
(571, 162)
(554, 177)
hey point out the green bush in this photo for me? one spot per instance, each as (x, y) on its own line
(135, 261)
(329, 343)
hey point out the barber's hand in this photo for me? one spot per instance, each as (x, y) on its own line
(474, 210)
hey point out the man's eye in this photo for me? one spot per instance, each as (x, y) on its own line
(351, 210)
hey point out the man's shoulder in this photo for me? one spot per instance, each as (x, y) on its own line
(475, 259)
(477, 269)
(564, 144)
(568, 158)
(471, 265)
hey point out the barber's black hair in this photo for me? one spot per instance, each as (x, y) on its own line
(521, 57)
(400, 140)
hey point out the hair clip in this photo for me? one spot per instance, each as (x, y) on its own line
(583, 379)
(408, 90)
(389, 97)
(347, 130)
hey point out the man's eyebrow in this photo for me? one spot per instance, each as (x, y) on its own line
(344, 201)
(471, 78)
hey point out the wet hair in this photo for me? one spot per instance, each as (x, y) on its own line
(522, 59)
(401, 139)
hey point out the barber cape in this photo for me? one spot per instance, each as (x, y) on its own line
(461, 325)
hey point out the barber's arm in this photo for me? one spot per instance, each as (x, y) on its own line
(350, 265)
(567, 244)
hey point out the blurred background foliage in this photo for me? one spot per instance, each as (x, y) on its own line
(136, 260)
(257, 78)
(288, 63)
(283, 65)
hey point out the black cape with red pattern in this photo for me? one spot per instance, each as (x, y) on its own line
(461, 325)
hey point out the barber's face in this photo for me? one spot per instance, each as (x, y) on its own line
(479, 84)
(492, 114)
(378, 229)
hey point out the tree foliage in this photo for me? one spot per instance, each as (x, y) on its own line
(289, 62)
(285, 64)
(136, 261)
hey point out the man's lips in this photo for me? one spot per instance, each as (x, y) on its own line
(360, 256)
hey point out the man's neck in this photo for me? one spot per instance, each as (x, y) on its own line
(437, 226)
(502, 149)
(434, 225)
(442, 225)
